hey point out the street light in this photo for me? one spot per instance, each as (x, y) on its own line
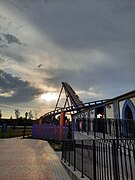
(26, 115)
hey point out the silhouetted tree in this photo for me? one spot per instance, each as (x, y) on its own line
(30, 115)
(17, 113)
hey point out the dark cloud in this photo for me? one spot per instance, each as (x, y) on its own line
(13, 55)
(12, 39)
(106, 79)
(87, 24)
(3, 46)
(15, 90)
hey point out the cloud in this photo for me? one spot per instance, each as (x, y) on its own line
(14, 90)
(85, 24)
(12, 39)
(3, 46)
(1, 60)
(89, 44)
(96, 49)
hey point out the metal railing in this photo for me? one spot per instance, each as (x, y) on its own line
(107, 128)
(80, 107)
(15, 128)
(101, 159)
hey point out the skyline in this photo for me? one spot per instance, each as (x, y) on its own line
(89, 44)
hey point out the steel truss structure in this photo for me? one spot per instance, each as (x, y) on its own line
(72, 103)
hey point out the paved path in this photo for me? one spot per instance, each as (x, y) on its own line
(27, 159)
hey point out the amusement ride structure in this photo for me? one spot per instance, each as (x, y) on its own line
(72, 104)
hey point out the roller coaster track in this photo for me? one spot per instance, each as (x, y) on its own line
(73, 101)
(74, 98)
(82, 107)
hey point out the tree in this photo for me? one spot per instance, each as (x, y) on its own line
(17, 113)
(30, 115)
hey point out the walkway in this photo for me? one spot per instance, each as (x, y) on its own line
(27, 159)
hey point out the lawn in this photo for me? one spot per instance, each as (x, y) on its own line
(14, 132)
(56, 145)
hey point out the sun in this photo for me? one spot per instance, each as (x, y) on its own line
(49, 96)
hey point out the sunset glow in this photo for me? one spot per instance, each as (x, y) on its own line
(49, 96)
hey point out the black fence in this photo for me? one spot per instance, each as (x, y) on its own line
(18, 122)
(15, 128)
(105, 128)
(101, 159)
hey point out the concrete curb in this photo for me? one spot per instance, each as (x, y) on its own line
(75, 175)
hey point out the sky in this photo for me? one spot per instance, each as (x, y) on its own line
(88, 43)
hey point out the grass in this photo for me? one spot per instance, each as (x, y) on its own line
(17, 132)
(14, 133)
(56, 145)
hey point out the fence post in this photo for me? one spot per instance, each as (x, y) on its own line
(115, 160)
(116, 128)
(24, 130)
(73, 127)
(104, 126)
(94, 160)
(94, 127)
(120, 126)
(88, 123)
(82, 160)
(62, 150)
(69, 153)
(130, 162)
(74, 157)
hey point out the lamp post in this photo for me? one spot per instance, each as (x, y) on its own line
(26, 115)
